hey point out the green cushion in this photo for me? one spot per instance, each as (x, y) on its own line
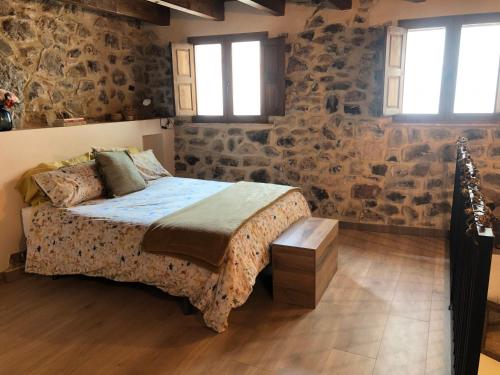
(119, 173)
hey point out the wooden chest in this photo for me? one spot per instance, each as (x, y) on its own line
(304, 260)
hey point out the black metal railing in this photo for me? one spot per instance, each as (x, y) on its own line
(471, 244)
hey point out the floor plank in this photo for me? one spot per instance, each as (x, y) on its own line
(492, 344)
(385, 312)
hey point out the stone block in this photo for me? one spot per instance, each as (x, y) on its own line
(418, 152)
(371, 216)
(296, 65)
(420, 169)
(388, 209)
(365, 191)
(228, 161)
(396, 138)
(259, 136)
(319, 193)
(260, 175)
(492, 179)
(422, 199)
(396, 196)
(191, 159)
(494, 151)
(286, 142)
(439, 134)
(475, 134)
(379, 169)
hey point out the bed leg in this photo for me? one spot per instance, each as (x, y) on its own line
(186, 307)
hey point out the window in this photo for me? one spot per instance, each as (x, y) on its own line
(209, 83)
(444, 69)
(229, 78)
(424, 70)
(478, 68)
(246, 78)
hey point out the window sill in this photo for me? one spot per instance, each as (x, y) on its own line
(259, 125)
(250, 121)
(457, 120)
(230, 119)
(448, 125)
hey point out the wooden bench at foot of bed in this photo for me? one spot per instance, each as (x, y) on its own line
(304, 260)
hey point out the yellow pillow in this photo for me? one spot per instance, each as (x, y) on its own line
(30, 191)
(129, 149)
(78, 160)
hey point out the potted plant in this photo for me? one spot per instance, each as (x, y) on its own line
(7, 101)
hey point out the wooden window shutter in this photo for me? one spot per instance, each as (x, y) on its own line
(395, 56)
(497, 106)
(273, 72)
(184, 79)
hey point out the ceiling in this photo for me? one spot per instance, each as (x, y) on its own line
(158, 11)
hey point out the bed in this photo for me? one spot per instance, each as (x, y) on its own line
(102, 238)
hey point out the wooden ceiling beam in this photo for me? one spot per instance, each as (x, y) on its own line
(342, 4)
(211, 9)
(139, 9)
(275, 7)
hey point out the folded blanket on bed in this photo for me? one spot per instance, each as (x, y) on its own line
(202, 232)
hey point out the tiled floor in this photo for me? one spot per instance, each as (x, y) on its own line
(385, 312)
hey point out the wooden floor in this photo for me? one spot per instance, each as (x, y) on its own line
(385, 313)
(492, 343)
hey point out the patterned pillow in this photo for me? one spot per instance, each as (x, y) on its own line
(149, 167)
(72, 185)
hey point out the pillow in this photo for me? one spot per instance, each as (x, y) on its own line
(129, 149)
(119, 173)
(149, 167)
(28, 188)
(70, 186)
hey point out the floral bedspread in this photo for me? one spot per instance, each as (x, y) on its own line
(103, 238)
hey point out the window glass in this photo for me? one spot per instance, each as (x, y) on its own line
(424, 70)
(478, 67)
(246, 78)
(209, 86)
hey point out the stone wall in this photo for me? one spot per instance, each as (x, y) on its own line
(63, 61)
(351, 163)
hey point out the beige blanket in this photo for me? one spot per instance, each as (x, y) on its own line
(202, 232)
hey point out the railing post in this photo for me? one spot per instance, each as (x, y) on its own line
(471, 245)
